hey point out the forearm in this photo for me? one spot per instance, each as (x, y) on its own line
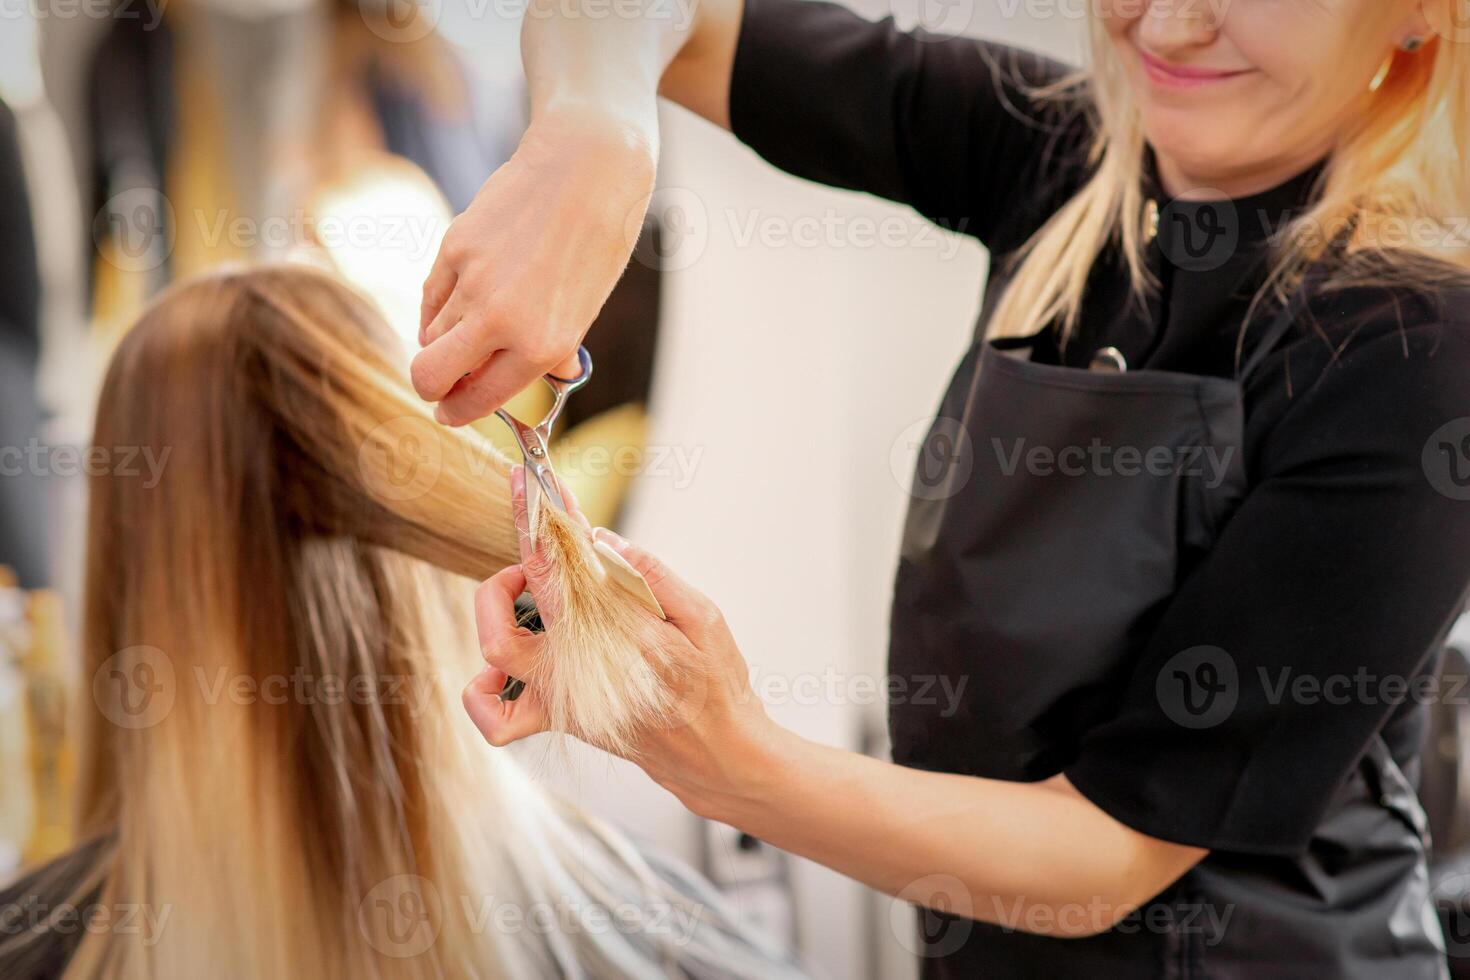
(1039, 857)
(1036, 856)
(612, 61)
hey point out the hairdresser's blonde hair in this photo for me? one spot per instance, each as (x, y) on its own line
(1403, 163)
(298, 530)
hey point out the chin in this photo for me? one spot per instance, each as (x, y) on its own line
(1197, 150)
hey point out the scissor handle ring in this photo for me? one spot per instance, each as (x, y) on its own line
(584, 360)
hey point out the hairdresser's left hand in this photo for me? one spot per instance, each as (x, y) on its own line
(697, 753)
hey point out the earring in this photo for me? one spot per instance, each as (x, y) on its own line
(1413, 43)
(1381, 74)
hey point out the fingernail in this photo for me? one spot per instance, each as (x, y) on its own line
(441, 416)
(616, 542)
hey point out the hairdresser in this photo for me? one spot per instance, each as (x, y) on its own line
(1184, 746)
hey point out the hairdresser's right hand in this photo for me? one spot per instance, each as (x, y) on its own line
(523, 272)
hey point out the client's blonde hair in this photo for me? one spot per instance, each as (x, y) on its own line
(294, 546)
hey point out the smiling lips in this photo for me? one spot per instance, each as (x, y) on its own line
(1183, 76)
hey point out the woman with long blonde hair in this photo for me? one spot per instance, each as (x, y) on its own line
(1191, 521)
(277, 777)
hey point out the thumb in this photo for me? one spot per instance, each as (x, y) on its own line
(569, 367)
(683, 604)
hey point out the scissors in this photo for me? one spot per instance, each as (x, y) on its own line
(541, 481)
(535, 442)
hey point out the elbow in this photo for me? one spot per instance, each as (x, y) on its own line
(1092, 915)
(1079, 920)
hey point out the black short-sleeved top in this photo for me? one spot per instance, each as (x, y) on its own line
(1351, 550)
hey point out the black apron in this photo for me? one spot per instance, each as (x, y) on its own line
(1054, 509)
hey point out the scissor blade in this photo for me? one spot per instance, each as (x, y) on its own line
(550, 487)
(533, 502)
(542, 489)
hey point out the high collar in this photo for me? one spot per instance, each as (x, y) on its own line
(1209, 258)
(1249, 219)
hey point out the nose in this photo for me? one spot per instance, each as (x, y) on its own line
(1173, 26)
